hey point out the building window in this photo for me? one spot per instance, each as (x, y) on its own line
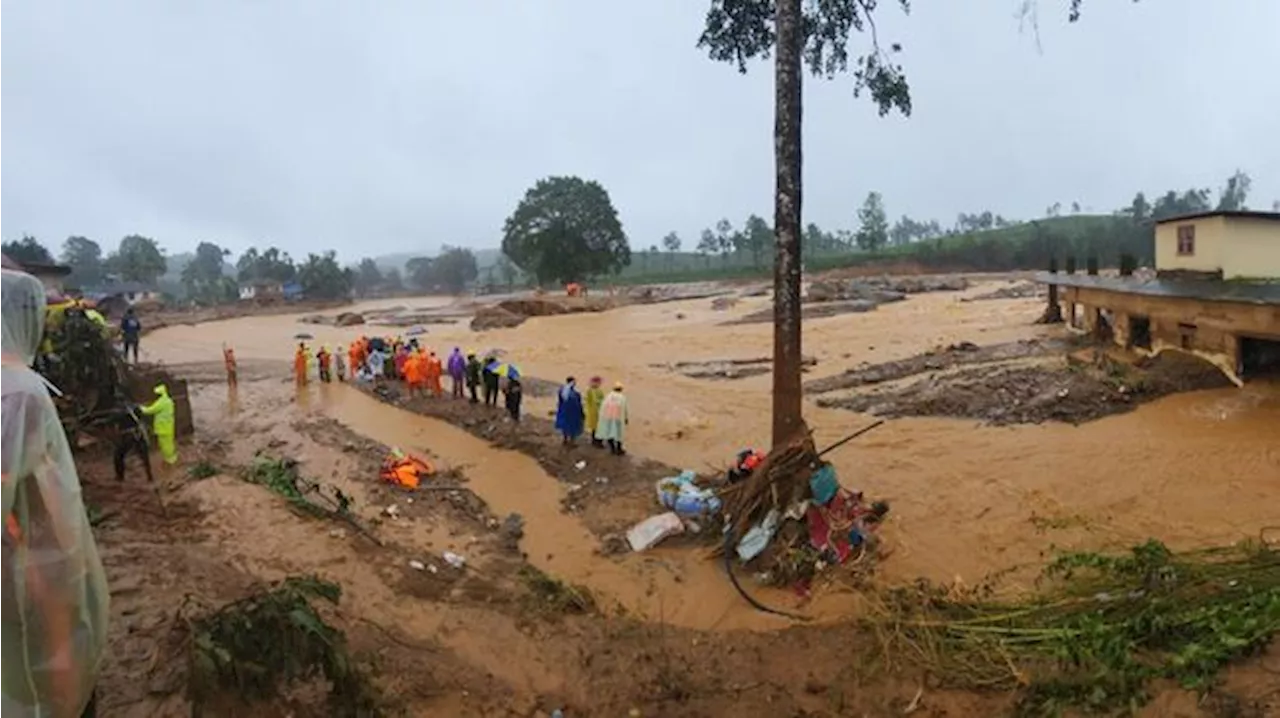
(1187, 239)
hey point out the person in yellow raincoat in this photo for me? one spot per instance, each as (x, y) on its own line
(55, 593)
(591, 401)
(162, 410)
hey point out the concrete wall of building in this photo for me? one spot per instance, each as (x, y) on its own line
(1252, 248)
(1209, 245)
(1210, 330)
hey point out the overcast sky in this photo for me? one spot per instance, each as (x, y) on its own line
(391, 126)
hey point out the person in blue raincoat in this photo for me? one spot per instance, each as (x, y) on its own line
(569, 414)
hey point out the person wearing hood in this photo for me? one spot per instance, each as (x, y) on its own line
(162, 410)
(54, 590)
(457, 368)
(569, 412)
(490, 381)
(434, 369)
(300, 364)
(613, 420)
(591, 402)
(473, 376)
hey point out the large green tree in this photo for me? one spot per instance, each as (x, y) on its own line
(757, 237)
(138, 259)
(203, 277)
(367, 277)
(455, 268)
(84, 256)
(1235, 192)
(269, 265)
(27, 249)
(816, 34)
(322, 277)
(566, 229)
(421, 273)
(873, 226)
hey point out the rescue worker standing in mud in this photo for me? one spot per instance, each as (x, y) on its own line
(162, 410)
(300, 364)
(54, 590)
(131, 331)
(473, 376)
(322, 364)
(490, 380)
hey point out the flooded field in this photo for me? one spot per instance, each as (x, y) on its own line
(969, 499)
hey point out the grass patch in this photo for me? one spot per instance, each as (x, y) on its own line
(553, 596)
(202, 469)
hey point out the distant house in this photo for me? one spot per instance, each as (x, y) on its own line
(51, 274)
(266, 291)
(260, 290)
(113, 298)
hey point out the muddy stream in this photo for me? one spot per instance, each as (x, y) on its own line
(967, 499)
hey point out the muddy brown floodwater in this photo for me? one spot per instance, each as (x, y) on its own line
(967, 499)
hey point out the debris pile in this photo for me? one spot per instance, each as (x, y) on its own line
(882, 290)
(784, 516)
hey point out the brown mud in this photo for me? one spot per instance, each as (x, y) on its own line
(719, 369)
(1069, 390)
(940, 358)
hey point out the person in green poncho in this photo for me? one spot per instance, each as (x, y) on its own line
(162, 410)
(591, 401)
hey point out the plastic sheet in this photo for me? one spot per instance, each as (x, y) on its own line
(54, 591)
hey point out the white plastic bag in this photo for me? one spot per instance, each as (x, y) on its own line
(653, 530)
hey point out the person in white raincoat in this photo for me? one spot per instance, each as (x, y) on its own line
(54, 591)
(614, 418)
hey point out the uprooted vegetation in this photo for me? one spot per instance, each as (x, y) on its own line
(263, 646)
(551, 596)
(1105, 629)
(1071, 390)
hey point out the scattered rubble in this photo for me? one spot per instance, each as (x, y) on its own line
(884, 289)
(1071, 391)
(1021, 290)
(716, 369)
(959, 354)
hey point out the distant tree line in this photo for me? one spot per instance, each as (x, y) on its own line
(205, 277)
(982, 240)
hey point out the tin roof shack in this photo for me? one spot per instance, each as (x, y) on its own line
(51, 274)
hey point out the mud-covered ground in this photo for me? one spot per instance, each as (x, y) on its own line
(1071, 389)
(477, 641)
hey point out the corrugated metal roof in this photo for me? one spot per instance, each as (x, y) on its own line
(1210, 291)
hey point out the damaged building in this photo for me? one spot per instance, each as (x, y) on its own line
(1215, 294)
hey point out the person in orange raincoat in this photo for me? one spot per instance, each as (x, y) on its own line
(354, 355)
(300, 364)
(229, 359)
(415, 372)
(433, 372)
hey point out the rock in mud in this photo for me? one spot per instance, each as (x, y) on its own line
(348, 319)
(721, 304)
